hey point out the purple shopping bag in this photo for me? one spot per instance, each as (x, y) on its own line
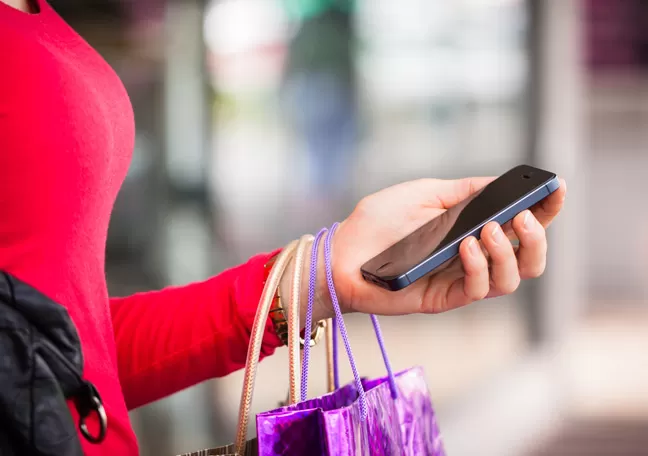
(333, 424)
(391, 415)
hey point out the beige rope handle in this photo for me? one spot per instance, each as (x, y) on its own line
(330, 368)
(294, 345)
(254, 349)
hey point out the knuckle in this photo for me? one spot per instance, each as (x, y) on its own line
(476, 266)
(511, 284)
(537, 236)
(364, 203)
(477, 293)
(482, 265)
(484, 293)
(505, 258)
(533, 271)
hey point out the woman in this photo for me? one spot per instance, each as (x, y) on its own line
(66, 137)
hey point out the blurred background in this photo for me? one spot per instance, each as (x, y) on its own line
(258, 120)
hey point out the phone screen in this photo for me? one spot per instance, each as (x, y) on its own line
(456, 222)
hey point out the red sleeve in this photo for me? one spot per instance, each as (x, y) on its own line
(171, 339)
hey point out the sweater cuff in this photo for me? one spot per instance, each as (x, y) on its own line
(251, 290)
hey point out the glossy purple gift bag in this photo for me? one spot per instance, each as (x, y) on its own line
(391, 415)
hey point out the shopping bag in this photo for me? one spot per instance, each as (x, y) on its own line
(333, 424)
(420, 433)
(293, 251)
(391, 415)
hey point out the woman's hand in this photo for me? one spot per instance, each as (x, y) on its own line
(385, 217)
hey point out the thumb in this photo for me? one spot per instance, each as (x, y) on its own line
(447, 193)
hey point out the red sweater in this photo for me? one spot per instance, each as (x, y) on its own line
(66, 138)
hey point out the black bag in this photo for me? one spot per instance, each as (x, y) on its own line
(41, 366)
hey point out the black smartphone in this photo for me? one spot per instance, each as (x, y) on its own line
(437, 242)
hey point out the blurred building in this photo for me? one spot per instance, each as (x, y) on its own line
(239, 113)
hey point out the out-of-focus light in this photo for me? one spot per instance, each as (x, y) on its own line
(385, 22)
(417, 51)
(490, 3)
(246, 42)
(238, 26)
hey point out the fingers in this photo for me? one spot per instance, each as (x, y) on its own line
(509, 264)
(475, 284)
(505, 276)
(546, 210)
(532, 254)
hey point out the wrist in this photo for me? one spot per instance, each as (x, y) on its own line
(322, 308)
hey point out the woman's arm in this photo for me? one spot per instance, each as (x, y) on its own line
(171, 339)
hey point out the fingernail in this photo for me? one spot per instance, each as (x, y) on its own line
(528, 220)
(497, 234)
(474, 248)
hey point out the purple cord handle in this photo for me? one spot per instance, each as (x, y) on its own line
(312, 279)
(338, 323)
(381, 343)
